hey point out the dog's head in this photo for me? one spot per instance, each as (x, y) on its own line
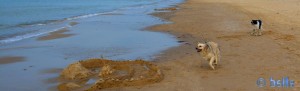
(200, 47)
(254, 22)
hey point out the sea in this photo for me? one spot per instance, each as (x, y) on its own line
(111, 29)
(22, 19)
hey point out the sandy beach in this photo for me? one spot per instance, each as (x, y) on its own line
(244, 59)
(37, 52)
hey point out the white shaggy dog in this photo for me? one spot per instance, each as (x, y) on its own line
(210, 51)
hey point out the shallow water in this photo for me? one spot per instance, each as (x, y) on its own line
(26, 12)
(23, 19)
(117, 34)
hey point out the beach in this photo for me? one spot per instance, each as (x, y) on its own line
(244, 59)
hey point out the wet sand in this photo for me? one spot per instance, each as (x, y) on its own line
(97, 74)
(244, 59)
(57, 34)
(11, 59)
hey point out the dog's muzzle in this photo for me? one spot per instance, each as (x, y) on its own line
(198, 50)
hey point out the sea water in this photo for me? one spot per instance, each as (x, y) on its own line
(112, 29)
(22, 19)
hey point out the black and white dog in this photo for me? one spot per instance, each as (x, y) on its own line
(258, 25)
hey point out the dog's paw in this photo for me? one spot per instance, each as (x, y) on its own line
(213, 67)
(259, 34)
(215, 64)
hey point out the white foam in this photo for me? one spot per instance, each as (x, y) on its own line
(88, 15)
(30, 35)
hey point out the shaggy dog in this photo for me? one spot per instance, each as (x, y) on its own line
(210, 51)
(257, 30)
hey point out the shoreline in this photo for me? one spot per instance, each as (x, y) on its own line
(62, 33)
(116, 36)
(244, 59)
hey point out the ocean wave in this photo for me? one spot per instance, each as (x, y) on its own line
(70, 19)
(17, 36)
(30, 24)
(88, 15)
(28, 35)
(45, 22)
(112, 11)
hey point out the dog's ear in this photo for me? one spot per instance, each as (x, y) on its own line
(252, 22)
(205, 46)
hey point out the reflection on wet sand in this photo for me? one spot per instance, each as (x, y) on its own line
(11, 59)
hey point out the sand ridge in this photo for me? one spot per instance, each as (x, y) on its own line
(58, 34)
(108, 74)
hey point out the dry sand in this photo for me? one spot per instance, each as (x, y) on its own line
(245, 58)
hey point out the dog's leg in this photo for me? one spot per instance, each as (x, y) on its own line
(253, 31)
(216, 61)
(259, 32)
(212, 59)
(256, 32)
